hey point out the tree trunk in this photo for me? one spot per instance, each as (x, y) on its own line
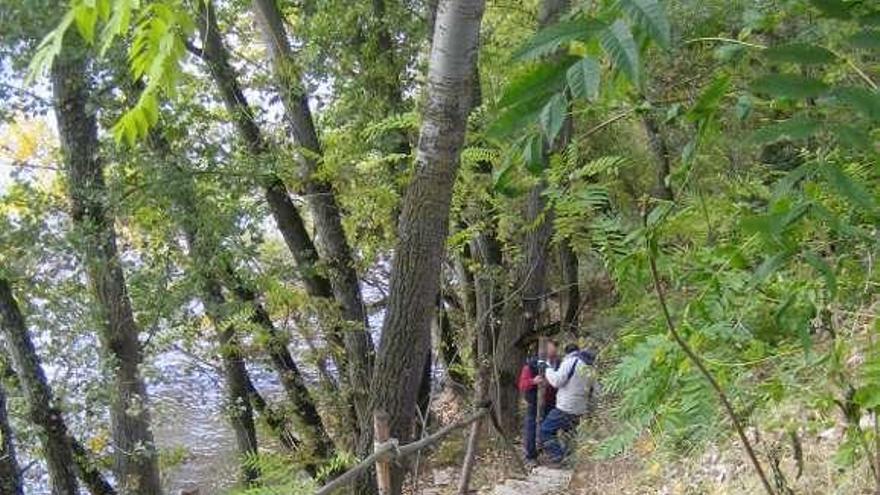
(450, 350)
(286, 215)
(657, 142)
(238, 404)
(521, 312)
(10, 471)
(522, 308)
(135, 457)
(47, 418)
(242, 396)
(424, 221)
(292, 379)
(488, 256)
(330, 239)
(570, 298)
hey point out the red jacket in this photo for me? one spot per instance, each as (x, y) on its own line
(525, 385)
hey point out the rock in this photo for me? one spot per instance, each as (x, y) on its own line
(443, 477)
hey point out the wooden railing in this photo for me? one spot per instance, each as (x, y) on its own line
(387, 450)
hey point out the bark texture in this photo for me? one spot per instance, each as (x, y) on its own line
(522, 307)
(570, 296)
(10, 471)
(487, 254)
(424, 220)
(43, 413)
(135, 457)
(332, 244)
(658, 145)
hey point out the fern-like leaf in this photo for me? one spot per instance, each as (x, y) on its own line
(650, 15)
(618, 42)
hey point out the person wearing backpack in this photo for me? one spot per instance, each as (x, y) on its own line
(530, 378)
(574, 380)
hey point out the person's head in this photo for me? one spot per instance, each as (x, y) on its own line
(569, 348)
(552, 351)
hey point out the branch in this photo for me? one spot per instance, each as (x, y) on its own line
(705, 372)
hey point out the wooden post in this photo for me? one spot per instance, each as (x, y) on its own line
(542, 389)
(381, 434)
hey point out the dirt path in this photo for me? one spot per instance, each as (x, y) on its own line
(540, 481)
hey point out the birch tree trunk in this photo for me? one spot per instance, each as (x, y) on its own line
(135, 457)
(415, 279)
(10, 471)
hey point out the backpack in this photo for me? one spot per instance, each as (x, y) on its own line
(586, 357)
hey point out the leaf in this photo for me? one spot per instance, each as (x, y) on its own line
(86, 18)
(800, 53)
(539, 81)
(591, 196)
(794, 129)
(553, 116)
(709, 100)
(769, 266)
(550, 39)
(862, 100)
(835, 9)
(851, 190)
(618, 42)
(516, 118)
(533, 154)
(788, 86)
(852, 136)
(49, 48)
(870, 19)
(504, 179)
(824, 269)
(584, 78)
(868, 39)
(650, 15)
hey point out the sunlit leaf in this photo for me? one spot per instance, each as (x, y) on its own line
(551, 39)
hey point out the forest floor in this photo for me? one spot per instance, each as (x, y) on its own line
(717, 468)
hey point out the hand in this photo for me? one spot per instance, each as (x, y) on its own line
(538, 380)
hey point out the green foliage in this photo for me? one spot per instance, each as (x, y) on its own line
(552, 39)
(800, 53)
(650, 15)
(788, 86)
(584, 78)
(621, 48)
(157, 32)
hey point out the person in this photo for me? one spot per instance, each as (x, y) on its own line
(530, 379)
(574, 380)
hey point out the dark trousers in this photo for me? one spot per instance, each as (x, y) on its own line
(530, 426)
(555, 423)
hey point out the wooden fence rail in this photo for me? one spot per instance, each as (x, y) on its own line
(387, 450)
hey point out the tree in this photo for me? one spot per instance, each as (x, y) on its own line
(332, 244)
(135, 458)
(10, 471)
(47, 417)
(425, 217)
